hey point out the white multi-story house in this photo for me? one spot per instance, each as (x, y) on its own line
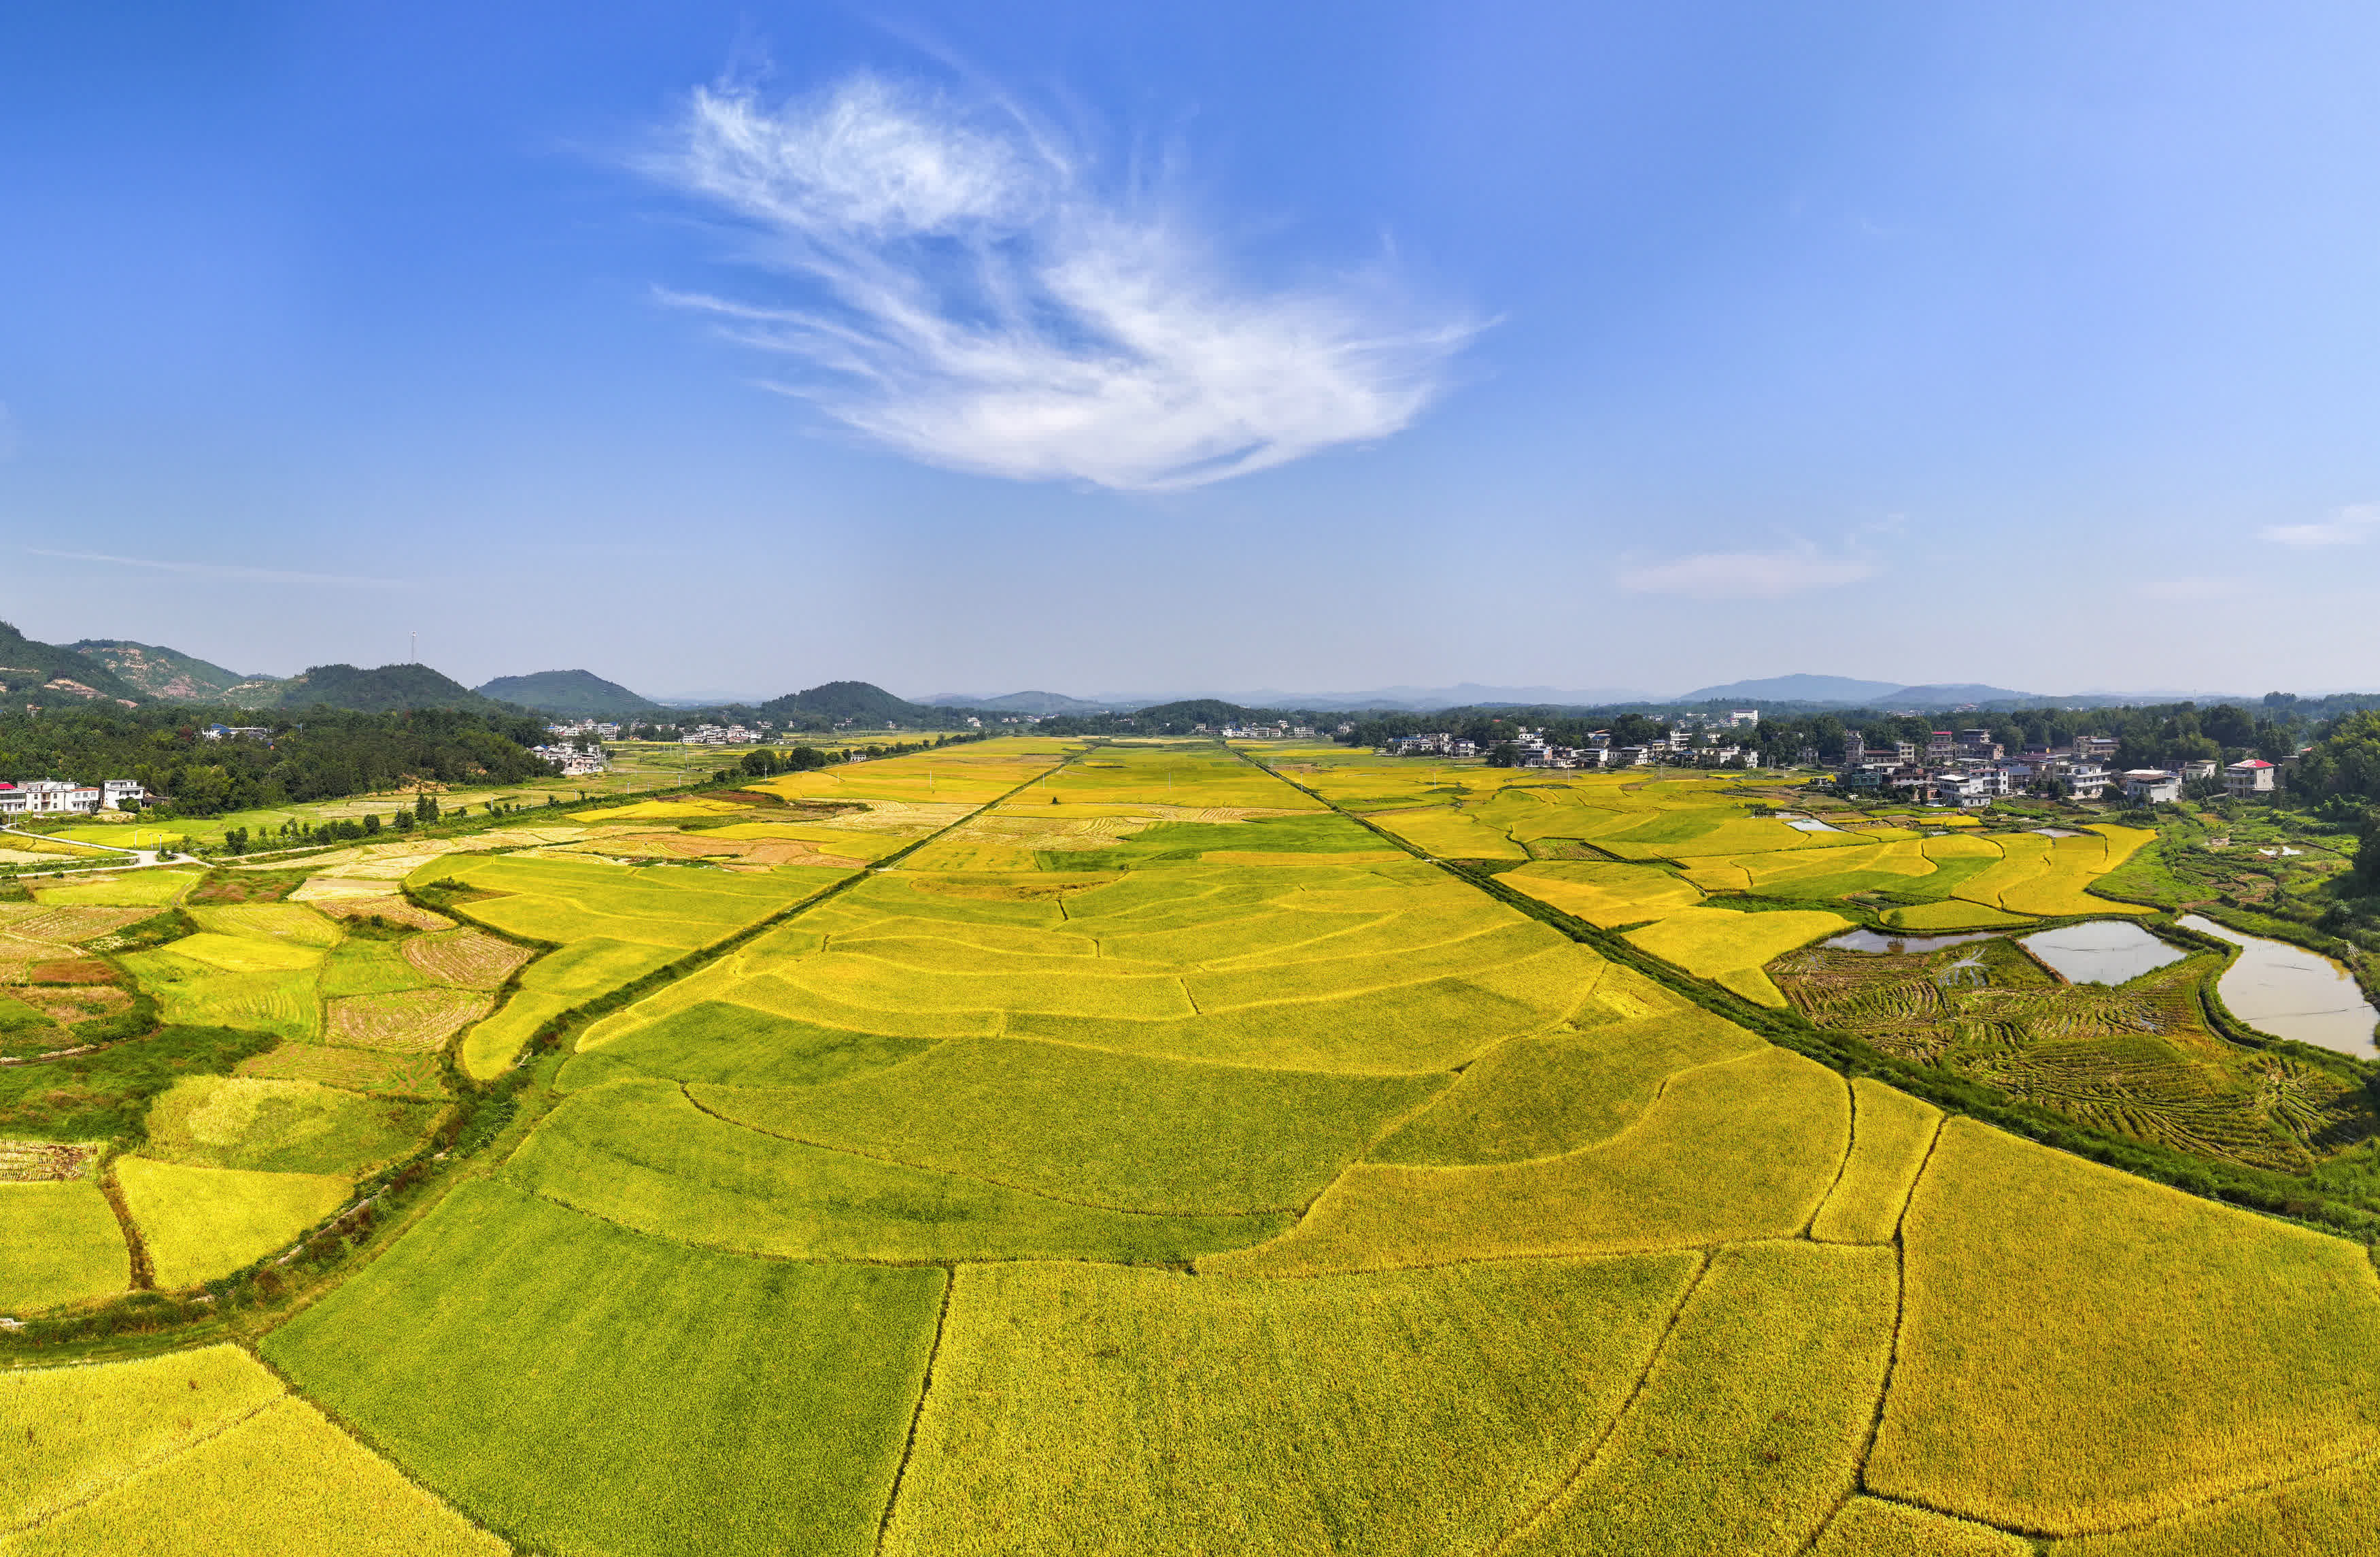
(2250, 776)
(2152, 785)
(49, 797)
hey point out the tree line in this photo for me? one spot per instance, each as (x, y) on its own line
(316, 754)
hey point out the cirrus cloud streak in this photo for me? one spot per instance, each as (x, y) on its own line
(973, 301)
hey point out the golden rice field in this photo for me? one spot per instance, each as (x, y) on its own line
(1140, 1155)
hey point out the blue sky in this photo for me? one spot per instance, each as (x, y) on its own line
(1169, 347)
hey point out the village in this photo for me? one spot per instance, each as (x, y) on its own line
(60, 798)
(1966, 768)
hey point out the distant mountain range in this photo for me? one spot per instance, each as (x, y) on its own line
(1019, 702)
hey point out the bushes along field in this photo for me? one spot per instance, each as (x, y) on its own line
(586, 1388)
(1081, 1409)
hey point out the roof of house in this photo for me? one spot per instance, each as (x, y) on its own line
(2252, 763)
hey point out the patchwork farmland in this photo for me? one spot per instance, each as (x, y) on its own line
(1034, 1147)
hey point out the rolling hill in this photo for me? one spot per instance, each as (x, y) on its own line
(855, 702)
(45, 673)
(569, 693)
(388, 689)
(175, 676)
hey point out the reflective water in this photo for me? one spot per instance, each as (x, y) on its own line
(1810, 825)
(2101, 951)
(2291, 992)
(1870, 940)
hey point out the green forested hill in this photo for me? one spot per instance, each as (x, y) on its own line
(856, 702)
(388, 689)
(575, 693)
(46, 673)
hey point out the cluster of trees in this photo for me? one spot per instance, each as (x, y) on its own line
(800, 760)
(321, 754)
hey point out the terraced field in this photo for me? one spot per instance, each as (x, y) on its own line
(1157, 1160)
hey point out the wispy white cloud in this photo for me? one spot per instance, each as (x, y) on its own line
(2350, 525)
(1747, 575)
(976, 301)
(2194, 589)
(226, 572)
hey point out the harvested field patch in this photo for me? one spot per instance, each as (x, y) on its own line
(396, 910)
(79, 970)
(1742, 1149)
(1086, 1410)
(43, 1161)
(1750, 1426)
(470, 958)
(644, 1156)
(203, 1222)
(2167, 1351)
(69, 1004)
(357, 1070)
(684, 1400)
(59, 1243)
(72, 925)
(418, 1020)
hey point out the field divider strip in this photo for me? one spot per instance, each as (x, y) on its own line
(1851, 1144)
(917, 1412)
(144, 1272)
(957, 1173)
(1585, 1462)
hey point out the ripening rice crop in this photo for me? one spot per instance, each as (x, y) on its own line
(1873, 1528)
(644, 1155)
(1079, 1411)
(1731, 947)
(59, 1243)
(1892, 1132)
(732, 1044)
(244, 954)
(1750, 1425)
(1742, 1149)
(2162, 1351)
(1126, 1131)
(289, 922)
(1602, 893)
(368, 967)
(1545, 1095)
(623, 1394)
(153, 889)
(1951, 913)
(2335, 1511)
(73, 1432)
(280, 1126)
(407, 1019)
(199, 1223)
(283, 1480)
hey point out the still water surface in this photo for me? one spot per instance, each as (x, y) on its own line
(1869, 941)
(2101, 951)
(2291, 992)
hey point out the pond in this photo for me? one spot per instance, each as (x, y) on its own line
(2100, 951)
(2291, 992)
(1914, 945)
